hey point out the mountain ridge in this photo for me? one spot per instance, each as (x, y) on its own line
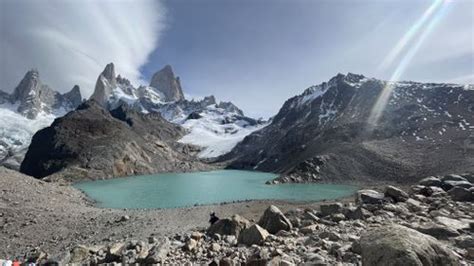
(323, 134)
(31, 106)
(222, 124)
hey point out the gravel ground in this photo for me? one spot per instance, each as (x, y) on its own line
(56, 217)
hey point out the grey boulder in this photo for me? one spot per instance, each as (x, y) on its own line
(368, 196)
(232, 226)
(461, 194)
(399, 245)
(430, 181)
(395, 193)
(254, 235)
(273, 220)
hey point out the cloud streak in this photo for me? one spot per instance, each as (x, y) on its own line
(70, 42)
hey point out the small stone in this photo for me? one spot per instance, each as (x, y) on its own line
(196, 236)
(337, 217)
(190, 245)
(124, 218)
(215, 247)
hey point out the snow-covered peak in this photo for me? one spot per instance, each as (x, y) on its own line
(30, 107)
(223, 121)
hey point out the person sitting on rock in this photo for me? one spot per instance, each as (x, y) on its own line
(213, 218)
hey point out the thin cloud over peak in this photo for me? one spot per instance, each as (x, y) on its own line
(70, 42)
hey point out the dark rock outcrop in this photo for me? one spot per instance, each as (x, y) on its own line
(92, 142)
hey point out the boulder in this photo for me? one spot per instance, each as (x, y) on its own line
(414, 205)
(453, 178)
(367, 196)
(328, 209)
(80, 254)
(457, 224)
(273, 220)
(430, 181)
(254, 235)
(461, 194)
(465, 241)
(395, 193)
(158, 252)
(438, 231)
(432, 191)
(232, 226)
(357, 213)
(451, 184)
(469, 177)
(399, 245)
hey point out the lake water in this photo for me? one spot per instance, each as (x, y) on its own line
(173, 190)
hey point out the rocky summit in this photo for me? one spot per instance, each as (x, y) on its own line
(214, 126)
(92, 142)
(344, 130)
(165, 81)
(31, 106)
(430, 226)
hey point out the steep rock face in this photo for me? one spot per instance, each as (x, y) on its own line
(165, 82)
(30, 107)
(92, 143)
(326, 132)
(106, 82)
(33, 97)
(215, 127)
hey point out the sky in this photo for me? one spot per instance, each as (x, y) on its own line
(255, 53)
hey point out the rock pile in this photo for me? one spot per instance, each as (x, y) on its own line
(431, 224)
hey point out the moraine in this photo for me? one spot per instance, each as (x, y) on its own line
(173, 190)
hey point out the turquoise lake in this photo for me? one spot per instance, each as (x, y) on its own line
(172, 190)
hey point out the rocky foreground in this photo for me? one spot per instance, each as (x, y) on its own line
(431, 224)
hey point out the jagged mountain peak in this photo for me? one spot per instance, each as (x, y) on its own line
(165, 81)
(106, 82)
(30, 107)
(30, 82)
(109, 71)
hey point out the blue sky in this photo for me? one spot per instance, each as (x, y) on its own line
(256, 53)
(259, 53)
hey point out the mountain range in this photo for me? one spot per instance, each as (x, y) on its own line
(209, 127)
(327, 133)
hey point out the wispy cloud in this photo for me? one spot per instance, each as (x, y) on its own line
(70, 42)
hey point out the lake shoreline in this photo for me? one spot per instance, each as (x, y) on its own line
(57, 217)
(208, 188)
